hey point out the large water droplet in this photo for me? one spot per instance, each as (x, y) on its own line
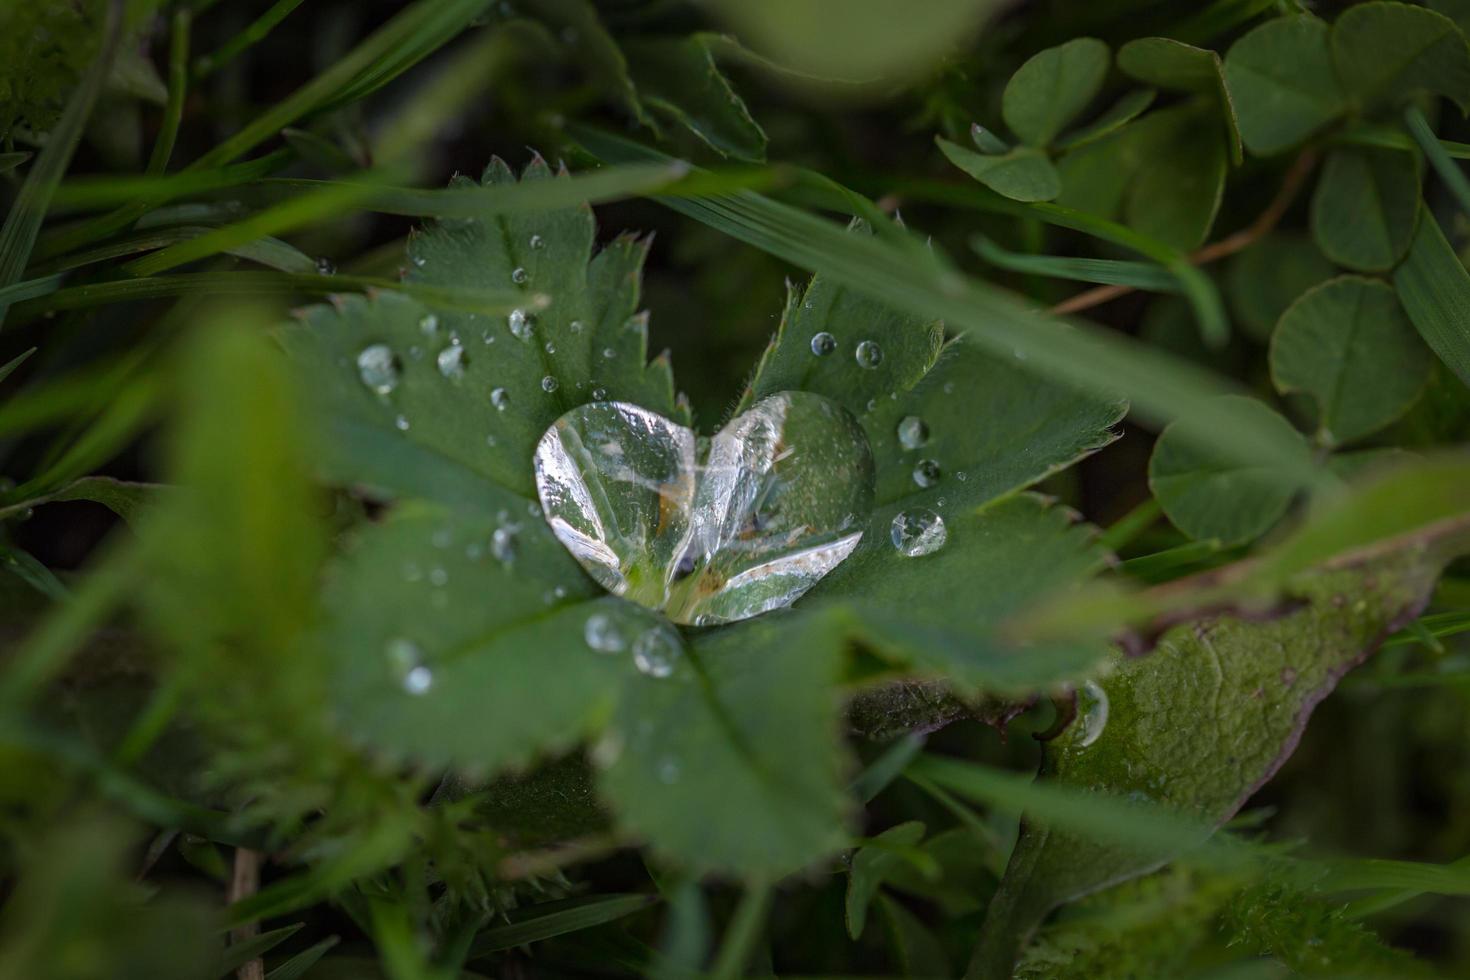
(1092, 713)
(868, 354)
(521, 323)
(918, 532)
(912, 432)
(549, 384)
(656, 651)
(603, 634)
(452, 361)
(823, 344)
(377, 366)
(927, 473)
(779, 501)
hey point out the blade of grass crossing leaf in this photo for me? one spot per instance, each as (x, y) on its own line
(566, 917)
(1139, 275)
(1435, 291)
(258, 30)
(1450, 172)
(743, 932)
(23, 223)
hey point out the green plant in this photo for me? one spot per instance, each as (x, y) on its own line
(438, 631)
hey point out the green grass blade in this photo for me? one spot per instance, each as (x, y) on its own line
(257, 31)
(1435, 290)
(178, 88)
(1439, 158)
(745, 929)
(544, 922)
(1112, 272)
(23, 223)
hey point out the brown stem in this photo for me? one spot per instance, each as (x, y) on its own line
(246, 882)
(1265, 222)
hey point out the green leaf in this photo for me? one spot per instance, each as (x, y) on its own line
(920, 951)
(1139, 275)
(1208, 496)
(1456, 10)
(1435, 290)
(682, 751)
(1348, 344)
(551, 919)
(1262, 280)
(1053, 87)
(1196, 727)
(1387, 52)
(1178, 189)
(459, 447)
(1023, 174)
(871, 866)
(1283, 84)
(1174, 65)
(1122, 112)
(1365, 207)
(679, 79)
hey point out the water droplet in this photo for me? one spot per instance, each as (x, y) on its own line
(609, 353)
(418, 260)
(442, 538)
(452, 361)
(599, 394)
(927, 473)
(550, 347)
(438, 577)
(823, 344)
(522, 324)
(1092, 713)
(668, 770)
(603, 634)
(549, 384)
(416, 352)
(377, 366)
(537, 242)
(575, 326)
(474, 551)
(500, 398)
(912, 432)
(428, 323)
(407, 661)
(491, 440)
(868, 354)
(655, 652)
(778, 502)
(503, 543)
(325, 267)
(918, 532)
(519, 275)
(412, 572)
(401, 423)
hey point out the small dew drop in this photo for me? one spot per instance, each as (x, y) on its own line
(1092, 713)
(412, 572)
(500, 398)
(519, 275)
(537, 242)
(438, 577)
(918, 532)
(549, 384)
(452, 361)
(377, 366)
(429, 323)
(401, 423)
(575, 326)
(550, 347)
(603, 635)
(325, 267)
(668, 770)
(868, 354)
(503, 544)
(522, 324)
(609, 353)
(599, 394)
(927, 473)
(407, 661)
(913, 433)
(823, 344)
(655, 652)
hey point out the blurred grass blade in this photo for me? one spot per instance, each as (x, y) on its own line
(1112, 272)
(148, 190)
(1412, 876)
(15, 362)
(23, 223)
(298, 965)
(117, 426)
(257, 31)
(239, 953)
(178, 88)
(1450, 172)
(557, 919)
(887, 767)
(744, 930)
(9, 161)
(25, 567)
(1435, 291)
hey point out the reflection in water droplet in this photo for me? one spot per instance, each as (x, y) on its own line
(918, 532)
(500, 398)
(377, 366)
(868, 354)
(1092, 713)
(428, 323)
(522, 324)
(912, 432)
(656, 651)
(823, 344)
(603, 634)
(519, 275)
(549, 384)
(452, 361)
(779, 501)
(927, 473)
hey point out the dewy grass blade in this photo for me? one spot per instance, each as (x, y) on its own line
(1160, 386)
(1439, 158)
(23, 223)
(1112, 272)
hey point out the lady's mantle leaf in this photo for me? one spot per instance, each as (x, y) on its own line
(1348, 344)
(1197, 727)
